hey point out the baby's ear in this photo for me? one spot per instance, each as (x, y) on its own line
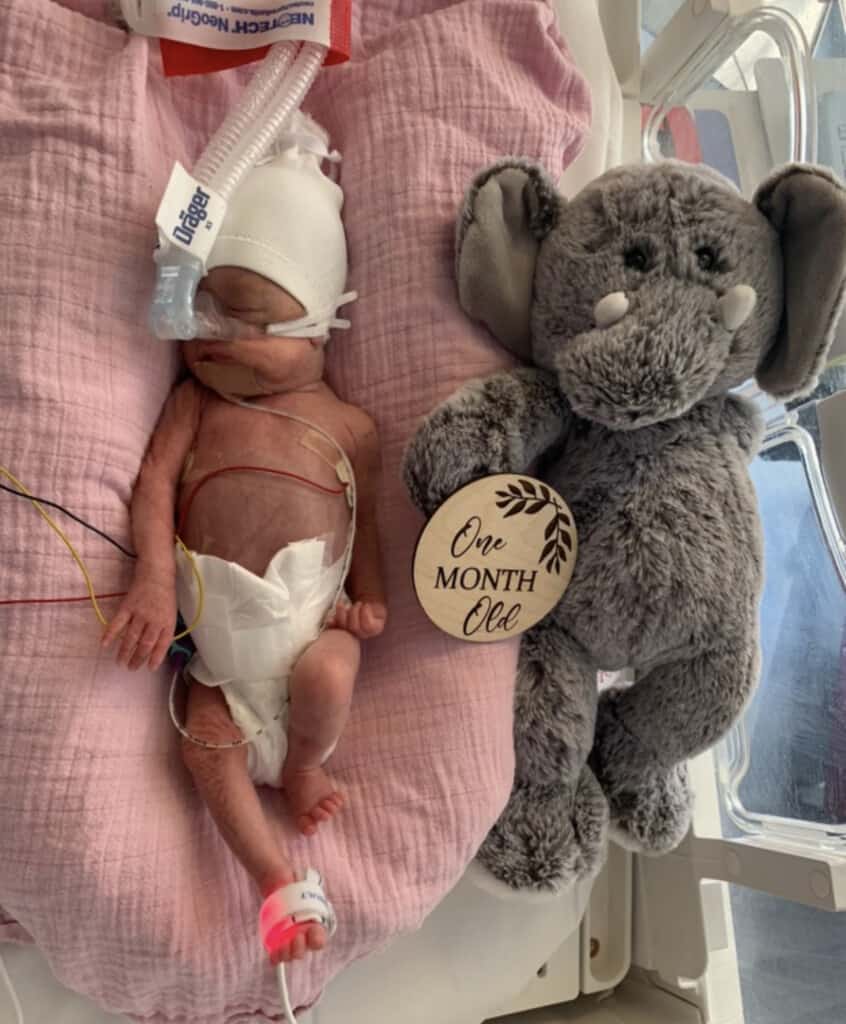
(807, 207)
(508, 210)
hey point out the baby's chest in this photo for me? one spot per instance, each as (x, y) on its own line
(300, 436)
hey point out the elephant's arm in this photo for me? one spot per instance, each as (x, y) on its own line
(499, 424)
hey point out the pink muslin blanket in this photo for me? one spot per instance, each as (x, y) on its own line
(108, 860)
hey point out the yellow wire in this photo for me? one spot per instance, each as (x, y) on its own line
(85, 574)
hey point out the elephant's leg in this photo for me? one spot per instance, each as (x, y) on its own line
(645, 734)
(552, 831)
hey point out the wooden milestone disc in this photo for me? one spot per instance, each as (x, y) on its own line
(495, 557)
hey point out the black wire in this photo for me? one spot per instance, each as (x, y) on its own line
(76, 519)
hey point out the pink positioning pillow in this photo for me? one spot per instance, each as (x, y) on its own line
(108, 860)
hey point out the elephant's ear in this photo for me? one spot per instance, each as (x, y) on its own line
(508, 209)
(807, 207)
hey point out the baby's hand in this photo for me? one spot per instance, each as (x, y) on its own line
(145, 622)
(363, 619)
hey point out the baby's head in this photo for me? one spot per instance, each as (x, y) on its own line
(280, 259)
(261, 364)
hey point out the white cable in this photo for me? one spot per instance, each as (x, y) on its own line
(17, 1003)
(283, 996)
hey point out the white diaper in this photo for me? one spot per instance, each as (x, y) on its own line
(252, 631)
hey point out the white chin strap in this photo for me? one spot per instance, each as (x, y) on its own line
(316, 324)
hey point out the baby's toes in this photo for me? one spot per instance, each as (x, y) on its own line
(298, 947)
(282, 955)
(327, 807)
(307, 824)
(315, 937)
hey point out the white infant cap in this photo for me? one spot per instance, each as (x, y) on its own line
(284, 222)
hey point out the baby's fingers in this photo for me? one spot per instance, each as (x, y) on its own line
(162, 646)
(354, 619)
(129, 640)
(116, 626)
(339, 617)
(370, 625)
(145, 646)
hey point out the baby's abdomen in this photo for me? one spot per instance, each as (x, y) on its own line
(246, 516)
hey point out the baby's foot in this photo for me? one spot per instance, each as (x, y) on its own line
(312, 798)
(311, 939)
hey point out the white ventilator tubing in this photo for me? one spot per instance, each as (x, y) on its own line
(275, 92)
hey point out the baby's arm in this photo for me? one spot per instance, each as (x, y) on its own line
(147, 614)
(367, 614)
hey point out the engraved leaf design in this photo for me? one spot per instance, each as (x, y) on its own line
(532, 499)
(518, 506)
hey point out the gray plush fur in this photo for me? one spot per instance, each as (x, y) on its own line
(633, 423)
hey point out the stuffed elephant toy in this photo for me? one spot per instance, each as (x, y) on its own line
(638, 306)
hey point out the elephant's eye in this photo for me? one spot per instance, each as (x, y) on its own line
(707, 257)
(637, 257)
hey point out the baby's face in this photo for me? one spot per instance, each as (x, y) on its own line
(277, 363)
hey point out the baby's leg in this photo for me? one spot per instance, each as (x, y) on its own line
(223, 782)
(320, 691)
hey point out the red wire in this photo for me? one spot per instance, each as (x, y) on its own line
(248, 469)
(203, 480)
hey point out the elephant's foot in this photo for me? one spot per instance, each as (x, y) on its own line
(651, 814)
(649, 803)
(547, 837)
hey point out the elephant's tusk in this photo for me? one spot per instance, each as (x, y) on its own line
(610, 309)
(735, 307)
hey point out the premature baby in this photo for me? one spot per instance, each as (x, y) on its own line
(269, 531)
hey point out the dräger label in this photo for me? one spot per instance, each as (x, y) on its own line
(495, 558)
(190, 214)
(230, 25)
(193, 217)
